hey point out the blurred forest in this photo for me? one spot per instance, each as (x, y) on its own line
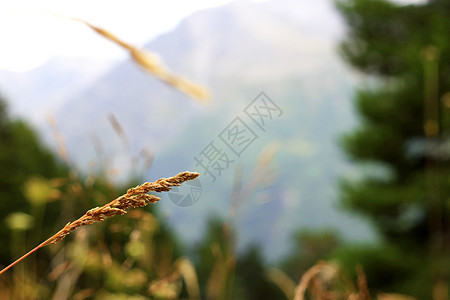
(402, 139)
(405, 127)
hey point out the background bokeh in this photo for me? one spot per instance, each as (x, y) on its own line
(323, 149)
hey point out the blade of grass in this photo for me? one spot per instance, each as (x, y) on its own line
(151, 63)
(134, 197)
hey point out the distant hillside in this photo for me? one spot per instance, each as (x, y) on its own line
(236, 50)
(45, 88)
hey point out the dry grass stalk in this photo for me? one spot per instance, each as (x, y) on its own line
(309, 278)
(117, 127)
(151, 63)
(363, 289)
(148, 157)
(187, 270)
(62, 148)
(134, 197)
(382, 296)
(283, 281)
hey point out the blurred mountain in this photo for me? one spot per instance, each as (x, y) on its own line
(284, 48)
(45, 88)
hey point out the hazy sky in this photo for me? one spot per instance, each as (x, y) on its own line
(29, 36)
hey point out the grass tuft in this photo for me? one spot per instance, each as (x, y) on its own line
(134, 197)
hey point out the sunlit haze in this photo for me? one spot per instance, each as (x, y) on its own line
(30, 36)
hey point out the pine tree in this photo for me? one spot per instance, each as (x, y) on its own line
(405, 130)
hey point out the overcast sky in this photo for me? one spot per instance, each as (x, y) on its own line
(29, 36)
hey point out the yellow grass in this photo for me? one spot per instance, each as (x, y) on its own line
(153, 64)
(134, 197)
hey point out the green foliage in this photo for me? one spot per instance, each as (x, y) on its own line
(119, 257)
(383, 263)
(225, 274)
(215, 260)
(404, 120)
(309, 246)
(22, 157)
(251, 277)
(386, 39)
